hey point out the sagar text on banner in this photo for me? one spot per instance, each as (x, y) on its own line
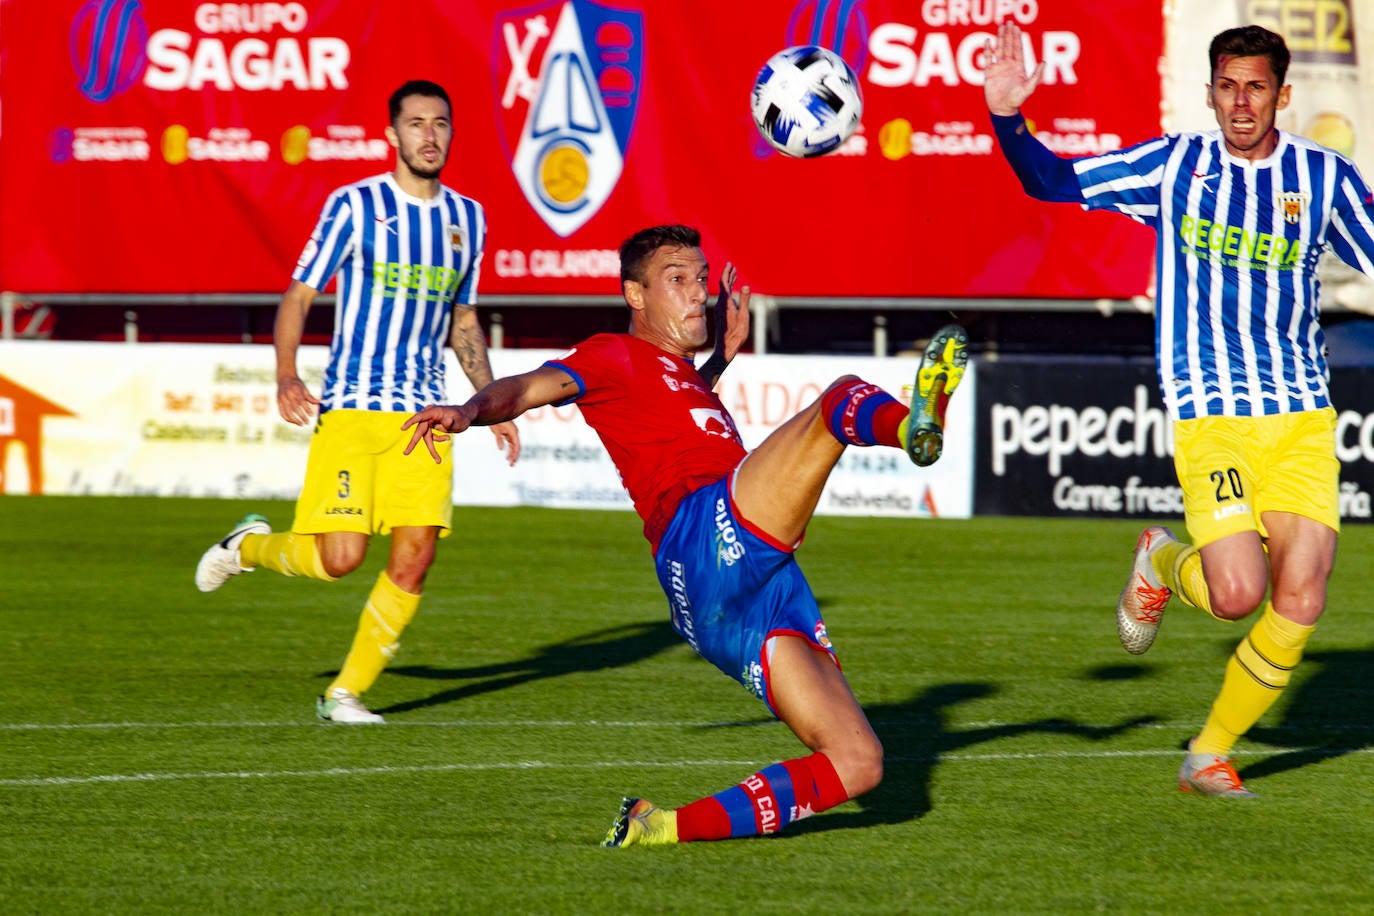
(166, 146)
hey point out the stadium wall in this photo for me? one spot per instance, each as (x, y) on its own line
(1071, 438)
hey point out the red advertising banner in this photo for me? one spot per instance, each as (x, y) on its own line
(164, 146)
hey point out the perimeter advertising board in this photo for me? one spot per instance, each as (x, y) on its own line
(201, 420)
(173, 146)
(1092, 439)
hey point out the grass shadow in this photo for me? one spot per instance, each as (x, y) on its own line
(916, 734)
(1329, 713)
(613, 647)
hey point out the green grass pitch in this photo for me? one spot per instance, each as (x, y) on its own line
(159, 754)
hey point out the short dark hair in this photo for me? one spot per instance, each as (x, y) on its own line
(636, 250)
(415, 87)
(1251, 41)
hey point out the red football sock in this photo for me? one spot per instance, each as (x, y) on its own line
(764, 803)
(858, 413)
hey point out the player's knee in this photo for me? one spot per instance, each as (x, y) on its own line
(338, 568)
(1236, 599)
(1303, 605)
(407, 568)
(862, 767)
(341, 559)
(841, 382)
(870, 774)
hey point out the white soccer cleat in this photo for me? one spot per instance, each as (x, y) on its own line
(221, 562)
(345, 708)
(1144, 598)
(1211, 774)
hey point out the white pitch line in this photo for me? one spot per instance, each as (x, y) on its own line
(942, 726)
(392, 723)
(44, 781)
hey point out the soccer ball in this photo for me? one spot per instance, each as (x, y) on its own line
(806, 101)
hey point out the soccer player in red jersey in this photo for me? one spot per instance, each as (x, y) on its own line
(723, 522)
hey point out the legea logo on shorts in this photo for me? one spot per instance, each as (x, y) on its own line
(569, 75)
(107, 42)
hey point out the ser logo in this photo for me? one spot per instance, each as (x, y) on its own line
(569, 73)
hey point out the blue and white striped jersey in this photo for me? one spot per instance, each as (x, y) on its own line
(1236, 318)
(402, 264)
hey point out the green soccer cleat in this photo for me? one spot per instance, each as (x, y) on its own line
(942, 368)
(641, 823)
(221, 562)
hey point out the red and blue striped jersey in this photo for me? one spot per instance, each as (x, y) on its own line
(667, 433)
(402, 264)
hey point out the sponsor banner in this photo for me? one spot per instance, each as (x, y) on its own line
(1093, 439)
(201, 420)
(174, 146)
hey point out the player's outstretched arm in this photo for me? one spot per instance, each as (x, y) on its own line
(1006, 85)
(1043, 175)
(732, 326)
(498, 403)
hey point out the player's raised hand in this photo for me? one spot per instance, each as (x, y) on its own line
(736, 317)
(732, 326)
(1006, 84)
(433, 425)
(295, 403)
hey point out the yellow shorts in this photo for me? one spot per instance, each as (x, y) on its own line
(358, 479)
(1235, 469)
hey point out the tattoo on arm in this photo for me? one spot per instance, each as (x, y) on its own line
(470, 346)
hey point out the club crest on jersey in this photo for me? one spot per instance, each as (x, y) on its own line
(714, 423)
(1292, 203)
(455, 238)
(569, 74)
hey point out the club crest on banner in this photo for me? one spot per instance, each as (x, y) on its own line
(569, 74)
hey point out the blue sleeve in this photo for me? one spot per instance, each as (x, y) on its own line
(1044, 175)
(1352, 220)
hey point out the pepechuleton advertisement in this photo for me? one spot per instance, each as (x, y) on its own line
(1092, 439)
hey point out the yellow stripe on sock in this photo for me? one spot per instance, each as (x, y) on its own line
(1256, 674)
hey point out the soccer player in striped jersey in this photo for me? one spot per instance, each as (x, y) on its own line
(406, 251)
(723, 523)
(1242, 214)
